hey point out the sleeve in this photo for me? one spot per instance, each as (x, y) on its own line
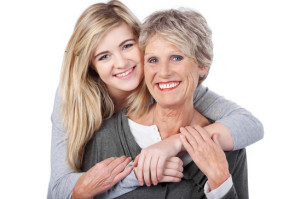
(63, 178)
(128, 184)
(243, 126)
(222, 191)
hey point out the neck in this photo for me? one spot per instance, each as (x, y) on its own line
(170, 119)
(119, 99)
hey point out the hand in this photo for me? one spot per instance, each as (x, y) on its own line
(154, 163)
(170, 172)
(206, 153)
(101, 177)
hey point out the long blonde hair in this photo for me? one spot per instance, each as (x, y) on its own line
(85, 101)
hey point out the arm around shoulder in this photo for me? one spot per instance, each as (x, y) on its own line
(63, 178)
(233, 120)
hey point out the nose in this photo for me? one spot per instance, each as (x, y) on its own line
(164, 69)
(120, 61)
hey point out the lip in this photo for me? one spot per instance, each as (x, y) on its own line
(169, 82)
(127, 75)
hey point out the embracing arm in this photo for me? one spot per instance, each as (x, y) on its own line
(237, 127)
(63, 179)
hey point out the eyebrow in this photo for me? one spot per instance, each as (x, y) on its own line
(171, 52)
(121, 44)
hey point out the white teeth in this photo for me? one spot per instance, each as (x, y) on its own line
(124, 74)
(167, 85)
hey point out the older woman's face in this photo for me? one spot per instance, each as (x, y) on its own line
(171, 76)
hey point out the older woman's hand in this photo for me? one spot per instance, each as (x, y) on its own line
(206, 153)
(157, 163)
(101, 177)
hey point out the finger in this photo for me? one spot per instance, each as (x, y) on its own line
(116, 162)
(136, 160)
(146, 171)
(189, 137)
(122, 175)
(170, 179)
(175, 166)
(204, 134)
(120, 167)
(160, 168)
(108, 160)
(196, 135)
(139, 172)
(176, 160)
(153, 170)
(173, 173)
(188, 147)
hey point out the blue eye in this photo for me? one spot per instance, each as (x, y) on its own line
(126, 46)
(176, 58)
(152, 60)
(103, 57)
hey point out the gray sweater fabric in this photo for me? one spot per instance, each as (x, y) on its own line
(115, 139)
(244, 127)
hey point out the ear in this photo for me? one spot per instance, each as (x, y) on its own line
(203, 71)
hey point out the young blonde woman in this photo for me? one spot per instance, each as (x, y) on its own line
(100, 70)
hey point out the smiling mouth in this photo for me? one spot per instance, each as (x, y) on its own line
(167, 86)
(125, 74)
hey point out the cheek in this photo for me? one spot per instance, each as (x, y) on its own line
(137, 55)
(102, 71)
(149, 75)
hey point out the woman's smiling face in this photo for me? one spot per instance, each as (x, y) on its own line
(118, 60)
(170, 75)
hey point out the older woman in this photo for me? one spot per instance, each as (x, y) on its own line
(178, 53)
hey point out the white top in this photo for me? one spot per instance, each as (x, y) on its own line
(147, 135)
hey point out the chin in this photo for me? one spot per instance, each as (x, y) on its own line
(131, 86)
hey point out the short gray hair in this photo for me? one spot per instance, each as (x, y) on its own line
(184, 28)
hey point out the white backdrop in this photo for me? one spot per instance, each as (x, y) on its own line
(256, 64)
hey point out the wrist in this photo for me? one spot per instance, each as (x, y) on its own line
(178, 144)
(218, 179)
(80, 193)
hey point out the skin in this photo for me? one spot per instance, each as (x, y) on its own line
(166, 66)
(119, 63)
(171, 78)
(206, 153)
(102, 177)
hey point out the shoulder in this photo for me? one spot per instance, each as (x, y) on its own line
(107, 128)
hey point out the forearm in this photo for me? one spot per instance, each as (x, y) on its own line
(243, 127)
(225, 137)
(63, 178)
(128, 184)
